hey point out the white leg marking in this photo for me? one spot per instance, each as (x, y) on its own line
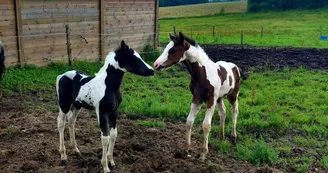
(235, 112)
(113, 135)
(61, 120)
(206, 129)
(105, 143)
(190, 121)
(222, 114)
(71, 124)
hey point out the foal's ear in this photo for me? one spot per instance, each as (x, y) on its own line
(181, 37)
(172, 37)
(124, 46)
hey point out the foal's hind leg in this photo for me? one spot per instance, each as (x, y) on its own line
(61, 120)
(222, 114)
(71, 124)
(234, 102)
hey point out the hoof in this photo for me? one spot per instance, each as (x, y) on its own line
(112, 166)
(63, 163)
(106, 170)
(77, 154)
(202, 158)
(233, 140)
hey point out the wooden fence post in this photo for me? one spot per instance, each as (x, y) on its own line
(19, 30)
(213, 31)
(156, 35)
(174, 30)
(68, 43)
(102, 30)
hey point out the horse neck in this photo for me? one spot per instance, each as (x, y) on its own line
(197, 54)
(195, 59)
(112, 77)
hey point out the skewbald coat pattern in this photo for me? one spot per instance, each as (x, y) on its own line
(210, 83)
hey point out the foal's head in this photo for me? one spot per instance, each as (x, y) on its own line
(173, 52)
(130, 61)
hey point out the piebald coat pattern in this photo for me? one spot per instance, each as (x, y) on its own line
(76, 90)
(210, 83)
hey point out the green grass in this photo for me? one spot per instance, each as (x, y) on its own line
(281, 112)
(151, 123)
(293, 28)
(202, 9)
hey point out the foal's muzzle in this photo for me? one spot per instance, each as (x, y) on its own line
(159, 67)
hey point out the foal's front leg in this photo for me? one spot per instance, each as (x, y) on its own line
(113, 134)
(105, 138)
(195, 107)
(207, 128)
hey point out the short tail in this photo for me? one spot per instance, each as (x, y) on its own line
(243, 75)
(2, 61)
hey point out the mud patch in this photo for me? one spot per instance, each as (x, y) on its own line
(29, 143)
(269, 57)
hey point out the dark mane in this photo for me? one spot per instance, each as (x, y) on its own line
(120, 49)
(191, 41)
(117, 50)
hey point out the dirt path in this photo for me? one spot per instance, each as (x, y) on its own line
(29, 143)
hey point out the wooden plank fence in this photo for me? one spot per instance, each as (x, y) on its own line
(34, 31)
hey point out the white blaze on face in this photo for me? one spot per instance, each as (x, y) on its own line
(147, 65)
(161, 59)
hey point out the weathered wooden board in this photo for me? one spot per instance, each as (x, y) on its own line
(96, 27)
(8, 31)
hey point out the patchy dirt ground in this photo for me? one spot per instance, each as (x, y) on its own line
(29, 143)
(273, 58)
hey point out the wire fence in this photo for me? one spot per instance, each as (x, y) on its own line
(262, 36)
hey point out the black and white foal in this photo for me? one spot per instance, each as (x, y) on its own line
(102, 93)
(210, 83)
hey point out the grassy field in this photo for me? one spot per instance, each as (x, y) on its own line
(202, 9)
(282, 122)
(294, 28)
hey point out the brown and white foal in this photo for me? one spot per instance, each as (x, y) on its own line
(210, 83)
